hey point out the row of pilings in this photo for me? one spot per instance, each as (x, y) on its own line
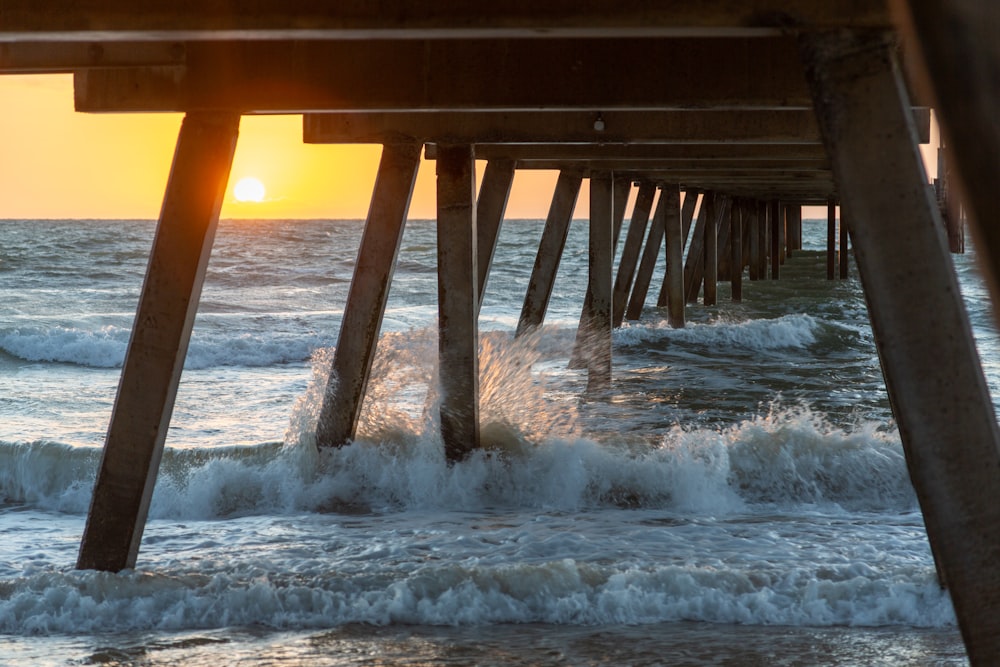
(818, 84)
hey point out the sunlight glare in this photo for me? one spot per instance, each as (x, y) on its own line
(249, 189)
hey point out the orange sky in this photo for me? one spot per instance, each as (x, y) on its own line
(56, 163)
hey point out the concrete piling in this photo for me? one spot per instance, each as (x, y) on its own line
(366, 299)
(156, 351)
(943, 409)
(550, 250)
(458, 310)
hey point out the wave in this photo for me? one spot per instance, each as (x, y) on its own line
(781, 333)
(562, 591)
(106, 347)
(787, 459)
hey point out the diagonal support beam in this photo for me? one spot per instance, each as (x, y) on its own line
(633, 245)
(490, 207)
(362, 321)
(550, 250)
(933, 374)
(159, 342)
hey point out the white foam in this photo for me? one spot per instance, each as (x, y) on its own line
(780, 333)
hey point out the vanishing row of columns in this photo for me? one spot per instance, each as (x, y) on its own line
(943, 410)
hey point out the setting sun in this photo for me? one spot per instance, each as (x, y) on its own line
(249, 190)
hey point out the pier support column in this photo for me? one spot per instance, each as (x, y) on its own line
(458, 310)
(763, 228)
(957, 42)
(490, 207)
(831, 239)
(687, 217)
(674, 232)
(694, 267)
(597, 325)
(648, 262)
(753, 211)
(621, 187)
(550, 250)
(844, 245)
(159, 341)
(736, 251)
(712, 255)
(933, 374)
(633, 245)
(776, 227)
(362, 321)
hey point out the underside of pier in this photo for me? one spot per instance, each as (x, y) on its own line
(726, 117)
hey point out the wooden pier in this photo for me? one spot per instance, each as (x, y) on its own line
(727, 116)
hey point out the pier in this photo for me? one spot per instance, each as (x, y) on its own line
(726, 118)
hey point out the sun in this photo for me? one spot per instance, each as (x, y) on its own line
(249, 189)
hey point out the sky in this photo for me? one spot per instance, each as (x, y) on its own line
(56, 163)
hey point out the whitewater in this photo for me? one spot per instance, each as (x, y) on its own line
(740, 496)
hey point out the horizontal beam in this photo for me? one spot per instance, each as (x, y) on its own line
(627, 128)
(607, 127)
(757, 167)
(421, 19)
(438, 75)
(65, 57)
(730, 152)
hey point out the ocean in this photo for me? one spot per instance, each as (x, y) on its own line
(739, 498)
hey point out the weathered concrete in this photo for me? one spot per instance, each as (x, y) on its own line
(687, 217)
(648, 262)
(490, 207)
(550, 250)
(469, 74)
(957, 40)
(362, 321)
(674, 233)
(458, 310)
(358, 19)
(694, 266)
(711, 250)
(621, 188)
(159, 342)
(831, 239)
(736, 252)
(844, 257)
(597, 324)
(936, 386)
(630, 252)
(776, 228)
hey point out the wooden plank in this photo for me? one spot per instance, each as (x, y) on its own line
(458, 310)
(407, 19)
(159, 342)
(439, 75)
(935, 381)
(366, 299)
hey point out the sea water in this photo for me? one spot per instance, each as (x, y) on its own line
(739, 497)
